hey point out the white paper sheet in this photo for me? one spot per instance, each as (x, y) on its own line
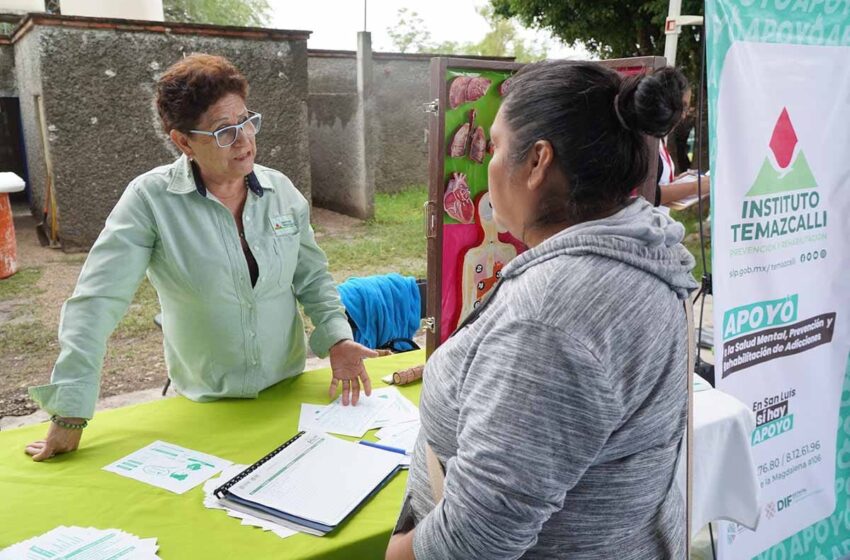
(398, 410)
(168, 466)
(351, 420)
(402, 436)
(308, 421)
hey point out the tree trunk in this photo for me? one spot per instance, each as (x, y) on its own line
(644, 41)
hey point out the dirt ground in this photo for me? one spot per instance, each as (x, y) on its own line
(132, 362)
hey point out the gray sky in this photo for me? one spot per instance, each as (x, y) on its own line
(335, 23)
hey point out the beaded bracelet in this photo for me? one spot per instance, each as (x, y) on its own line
(67, 425)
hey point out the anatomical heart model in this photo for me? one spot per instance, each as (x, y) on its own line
(457, 201)
(482, 265)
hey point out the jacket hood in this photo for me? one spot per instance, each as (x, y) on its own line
(638, 235)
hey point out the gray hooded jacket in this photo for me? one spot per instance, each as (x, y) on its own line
(559, 411)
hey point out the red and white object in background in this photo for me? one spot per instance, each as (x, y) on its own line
(668, 173)
(9, 183)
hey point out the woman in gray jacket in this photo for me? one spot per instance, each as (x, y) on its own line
(557, 409)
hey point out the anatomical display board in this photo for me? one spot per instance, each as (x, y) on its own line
(466, 248)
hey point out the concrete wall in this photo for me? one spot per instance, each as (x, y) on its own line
(398, 153)
(28, 76)
(401, 88)
(103, 128)
(8, 83)
(334, 125)
(335, 163)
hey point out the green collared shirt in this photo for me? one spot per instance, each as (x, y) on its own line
(222, 337)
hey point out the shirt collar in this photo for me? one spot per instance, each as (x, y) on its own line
(187, 178)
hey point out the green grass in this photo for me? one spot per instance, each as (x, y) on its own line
(394, 241)
(690, 220)
(34, 338)
(27, 338)
(21, 284)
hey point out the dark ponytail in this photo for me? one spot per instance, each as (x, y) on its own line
(595, 121)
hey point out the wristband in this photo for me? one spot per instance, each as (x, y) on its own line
(67, 425)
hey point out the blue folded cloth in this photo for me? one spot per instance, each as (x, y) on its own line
(383, 307)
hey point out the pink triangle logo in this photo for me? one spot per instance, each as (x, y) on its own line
(784, 140)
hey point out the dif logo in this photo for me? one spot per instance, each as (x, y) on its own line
(774, 508)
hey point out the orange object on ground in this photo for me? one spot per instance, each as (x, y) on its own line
(8, 247)
(9, 182)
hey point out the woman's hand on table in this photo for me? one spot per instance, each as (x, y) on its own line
(347, 366)
(58, 440)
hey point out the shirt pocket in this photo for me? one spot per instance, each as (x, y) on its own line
(286, 252)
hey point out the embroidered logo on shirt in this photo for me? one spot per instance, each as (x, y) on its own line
(284, 225)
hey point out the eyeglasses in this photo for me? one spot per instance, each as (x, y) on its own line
(227, 135)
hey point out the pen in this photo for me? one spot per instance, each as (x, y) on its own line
(384, 447)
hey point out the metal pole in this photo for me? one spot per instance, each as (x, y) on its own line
(671, 31)
(364, 14)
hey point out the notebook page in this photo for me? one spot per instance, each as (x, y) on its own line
(318, 477)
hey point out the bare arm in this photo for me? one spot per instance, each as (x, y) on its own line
(683, 189)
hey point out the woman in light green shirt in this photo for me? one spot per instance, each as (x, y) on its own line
(229, 248)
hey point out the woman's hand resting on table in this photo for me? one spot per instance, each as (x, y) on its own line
(347, 366)
(58, 440)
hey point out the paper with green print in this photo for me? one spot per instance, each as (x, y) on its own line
(168, 466)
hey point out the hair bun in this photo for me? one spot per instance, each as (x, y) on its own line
(652, 103)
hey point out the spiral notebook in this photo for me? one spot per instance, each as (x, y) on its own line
(311, 483)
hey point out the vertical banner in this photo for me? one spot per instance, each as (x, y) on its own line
(779, 114)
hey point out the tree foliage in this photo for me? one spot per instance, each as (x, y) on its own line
(618, 29)
(409, 33)
(504, 38)
(609, 28)
(247, 13)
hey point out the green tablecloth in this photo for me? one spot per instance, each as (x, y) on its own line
(73, 490)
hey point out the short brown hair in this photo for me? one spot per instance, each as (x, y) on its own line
(190, 86)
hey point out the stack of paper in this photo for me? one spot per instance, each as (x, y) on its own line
(212, 502)
(72, 543)
(400, 436)
(386, 407)
(168, 466)
(398, 410)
